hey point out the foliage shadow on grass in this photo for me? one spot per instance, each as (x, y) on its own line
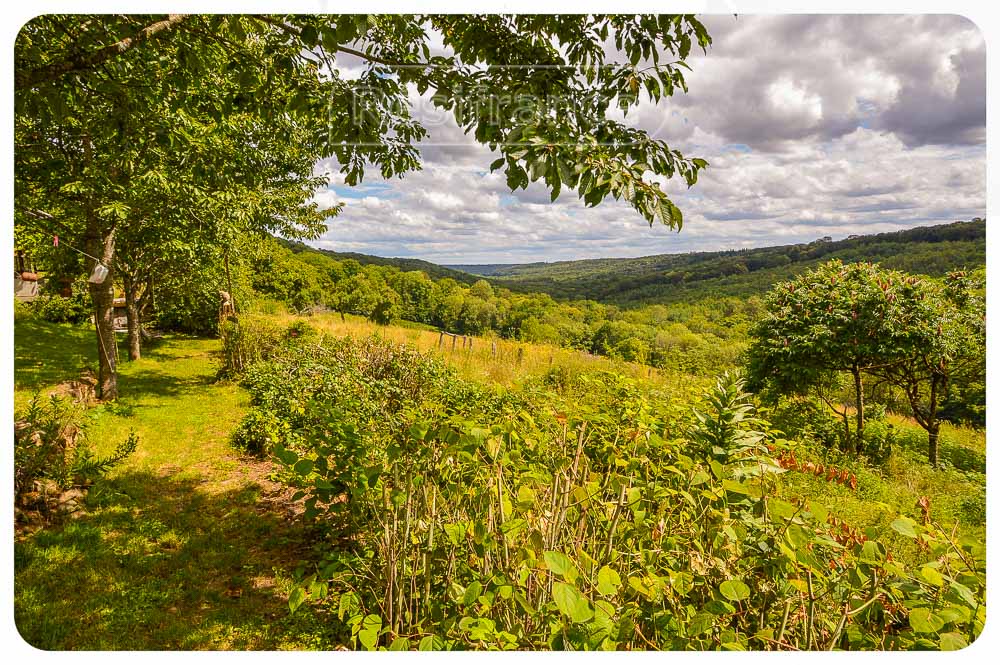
(43, 352)
(161, 563)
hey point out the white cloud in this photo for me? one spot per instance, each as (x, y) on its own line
(813, 126)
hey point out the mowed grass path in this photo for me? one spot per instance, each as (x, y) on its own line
(187, 545)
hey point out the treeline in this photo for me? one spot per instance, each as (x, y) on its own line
(671, 278)
(691, 337)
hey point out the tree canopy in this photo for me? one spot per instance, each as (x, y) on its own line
(197, 127)
(864, 320)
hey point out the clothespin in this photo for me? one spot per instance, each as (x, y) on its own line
(55, 241)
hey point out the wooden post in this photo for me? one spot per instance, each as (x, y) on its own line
(494, 348)
(454, 340)
(440, 341)
(229, 282)
(520, 355)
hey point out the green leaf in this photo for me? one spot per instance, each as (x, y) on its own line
(734, 590)
(295, 598)
(309, 36)
(922, 620)
(780, 509)
(525, 497)
(561, 565)
(370, 627)
(431, 643)
(904, 526)
(286, 456)
(472, 593)
(872, 553)
(608, 581)
(571, 602)
(819, 511)
(953, 642)
(931, 576)
(700, 623)
(400, 644)
(303, 467)
(736, 487)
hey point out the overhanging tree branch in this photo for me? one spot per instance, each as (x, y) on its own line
(86, 61)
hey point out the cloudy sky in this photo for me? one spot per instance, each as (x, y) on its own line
(813, 126)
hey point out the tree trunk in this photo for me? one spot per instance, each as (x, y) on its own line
(134, 319)
(932, 444)
(100, 243)
(859, 394)
(103, 297)
(933, 425)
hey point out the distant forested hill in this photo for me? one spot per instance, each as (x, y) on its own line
(667, 278)
(433, 270)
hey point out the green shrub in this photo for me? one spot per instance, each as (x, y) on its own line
(260, 431)
(597, 518)
(879, 438)
(247, 340)
(22, 311)
(50, 443)
(56, 309)
(809, 419)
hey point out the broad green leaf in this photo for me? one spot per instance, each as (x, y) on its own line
(295, 598)
(370, 628)
(922, 620)
(736, 487)
(953, 641)
(571, 602)
(904, 526)
(472, 593)
(780, 509)
(608, 581)
(931, 576)
(700, 623)
(431, 643)
(734, 590)
(561, 565)
(400, 644)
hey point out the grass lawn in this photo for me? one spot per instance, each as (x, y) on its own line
(187, 545)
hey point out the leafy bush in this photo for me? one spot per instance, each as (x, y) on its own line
(809, 419)
(600, 518)
(56, 309)
(260, 431)
(194, 310)
(49, 443)
(248, 340)
(22, 310)
(879, 439)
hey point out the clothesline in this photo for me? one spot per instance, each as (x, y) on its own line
(55, 236)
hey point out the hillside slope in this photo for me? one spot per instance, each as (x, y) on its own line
(433, 270)
(667, 278)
